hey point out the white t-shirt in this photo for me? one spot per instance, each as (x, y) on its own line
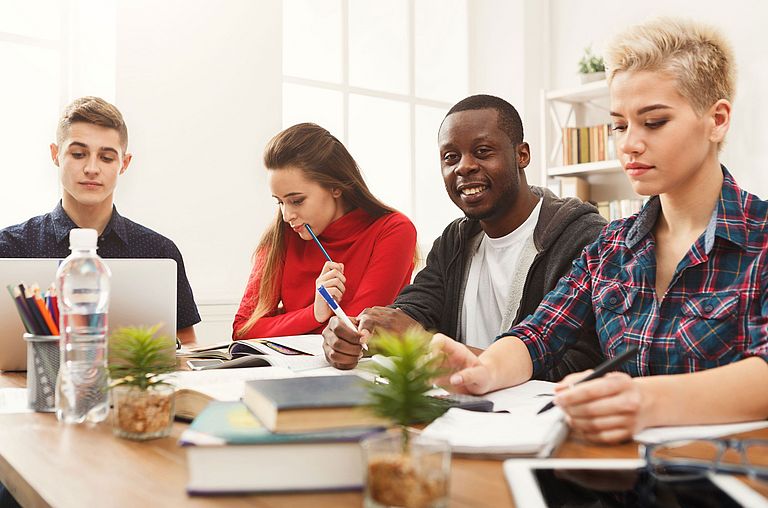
(495, 282)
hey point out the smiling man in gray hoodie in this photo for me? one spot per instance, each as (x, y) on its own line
(491, 268)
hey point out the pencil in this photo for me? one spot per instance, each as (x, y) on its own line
(20, 308)
(312, 233)
(38, 325)
(44, 311)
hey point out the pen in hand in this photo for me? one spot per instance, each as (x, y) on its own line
(601, 370)
(338, 310)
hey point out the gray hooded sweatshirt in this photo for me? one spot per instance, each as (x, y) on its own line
(564, 228)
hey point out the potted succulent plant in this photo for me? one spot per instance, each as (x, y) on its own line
(404, 468)
(139, 362)
(591, 66)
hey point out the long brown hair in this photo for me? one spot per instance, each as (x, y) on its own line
(324, 160)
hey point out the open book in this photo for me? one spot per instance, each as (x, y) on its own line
(195, 389)
(517, 431)
(299, 352)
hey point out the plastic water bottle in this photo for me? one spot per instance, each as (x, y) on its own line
(82, 282)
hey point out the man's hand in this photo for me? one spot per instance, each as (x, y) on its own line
(607, 410)
(342, 347)
(386, 318)
(466, 373)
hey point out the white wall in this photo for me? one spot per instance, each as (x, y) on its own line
(575, 25)
(509, 44)
(199, 84)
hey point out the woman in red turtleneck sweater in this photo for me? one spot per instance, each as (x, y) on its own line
(317, 182)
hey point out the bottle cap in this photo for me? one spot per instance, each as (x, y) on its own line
(82, 239)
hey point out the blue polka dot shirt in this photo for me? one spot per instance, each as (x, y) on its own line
(47, 236)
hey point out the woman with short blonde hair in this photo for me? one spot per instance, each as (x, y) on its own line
(685, 280)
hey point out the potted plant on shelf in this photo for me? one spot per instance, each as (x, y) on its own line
(142, 399)
(591, 66)
(404, 468)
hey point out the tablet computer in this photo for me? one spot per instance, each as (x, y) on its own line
(598, 483)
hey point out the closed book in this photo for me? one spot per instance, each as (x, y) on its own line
(566, 146)
(229, 451)
(584, 145)
(303, 404)
(574, 186)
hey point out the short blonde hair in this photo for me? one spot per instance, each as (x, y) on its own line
(93, 110)
(698, 56)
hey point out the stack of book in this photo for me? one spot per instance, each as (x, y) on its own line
(588, 144)
(292, 434)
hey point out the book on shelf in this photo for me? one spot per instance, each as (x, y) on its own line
(316, 403)
(587, 144)
(196, 389)
(230, 451)
(553, 184)
(620, 208)
(575, 187)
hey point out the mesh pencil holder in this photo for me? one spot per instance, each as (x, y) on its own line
(42, 369)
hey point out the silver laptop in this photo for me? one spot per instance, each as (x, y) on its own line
(143, 293)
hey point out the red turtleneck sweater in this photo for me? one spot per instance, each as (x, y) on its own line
(378, 261)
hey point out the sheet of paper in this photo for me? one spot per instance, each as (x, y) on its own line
(298, 363)
(311, 344)
(659, 434)
(531, 396)
(13, 400)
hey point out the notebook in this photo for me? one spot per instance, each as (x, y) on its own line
(516, 431)
(143, 292)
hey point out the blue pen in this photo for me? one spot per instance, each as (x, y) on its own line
(312, 233)
(337, 309)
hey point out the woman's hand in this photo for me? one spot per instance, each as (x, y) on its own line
(465, 372)
(332, 277)
(607, 410)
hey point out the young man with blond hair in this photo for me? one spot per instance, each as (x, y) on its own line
(91, 153)
(685, 280)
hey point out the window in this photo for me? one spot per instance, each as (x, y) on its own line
(381, 76)
(30, 49)
(52, 51)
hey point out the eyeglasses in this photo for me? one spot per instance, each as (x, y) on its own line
(688, 460)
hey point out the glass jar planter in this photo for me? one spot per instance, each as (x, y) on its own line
(409, 471)
(142, 414)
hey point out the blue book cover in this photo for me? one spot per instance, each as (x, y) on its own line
(232, 423)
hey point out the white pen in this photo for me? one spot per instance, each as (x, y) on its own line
(337, 310)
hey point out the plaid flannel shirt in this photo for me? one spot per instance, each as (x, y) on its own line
(715, 311)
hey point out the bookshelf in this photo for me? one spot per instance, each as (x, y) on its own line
(573, 123)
